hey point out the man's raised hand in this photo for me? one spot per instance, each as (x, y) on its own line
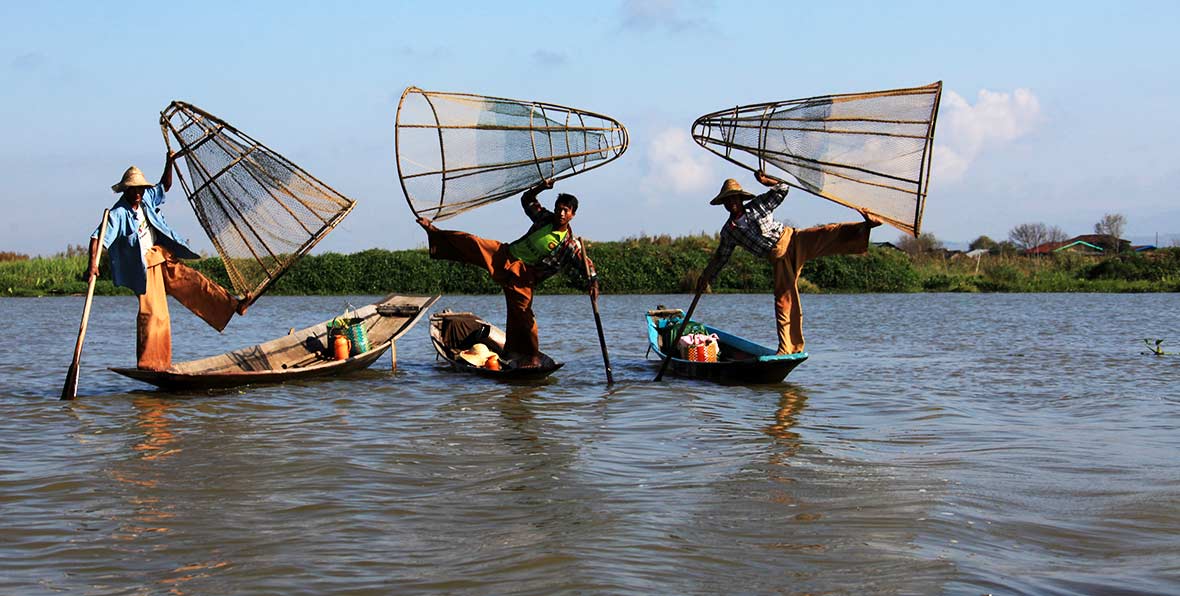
(765, 179)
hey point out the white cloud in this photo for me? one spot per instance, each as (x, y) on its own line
(965, 131)
(671, 15)
(549, 59)
(675, 163)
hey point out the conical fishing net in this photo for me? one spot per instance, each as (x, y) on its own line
(456, 151)
(261, 212)
(864, 150)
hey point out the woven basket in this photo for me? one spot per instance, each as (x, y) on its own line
(705, 353)
(359, 337)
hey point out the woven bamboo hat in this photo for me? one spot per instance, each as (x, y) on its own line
(729, 188)
(478, 355)
(132, 178)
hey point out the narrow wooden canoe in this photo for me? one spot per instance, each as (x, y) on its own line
(449, 344)
(739, 360)
(297, 355)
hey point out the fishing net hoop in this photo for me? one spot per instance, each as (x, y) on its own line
(727, 120)
(229, 139)
(574, 124)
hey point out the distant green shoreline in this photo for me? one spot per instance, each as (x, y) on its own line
(662, 265)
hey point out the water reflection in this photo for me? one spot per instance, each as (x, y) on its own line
(516, 408)
(153, 418)
(149, 523)
(790, 404)
(149, 517)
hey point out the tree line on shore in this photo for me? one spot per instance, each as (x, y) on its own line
(662, 264)
(1026, 237)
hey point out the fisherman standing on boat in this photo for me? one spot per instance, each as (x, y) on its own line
(144, 257)
(547, 247)
(753, 226)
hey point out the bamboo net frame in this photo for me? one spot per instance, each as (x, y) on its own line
(459, 151)
(863, 150)
(261, 211)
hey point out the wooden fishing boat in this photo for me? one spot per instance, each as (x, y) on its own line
(454, 332)
(738, 360)
(297, 355)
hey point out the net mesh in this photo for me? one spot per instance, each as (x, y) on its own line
(863, 150)
(261, 212)
(456, 152)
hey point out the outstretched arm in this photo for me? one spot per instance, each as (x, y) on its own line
(166, 177)
(716, 262)
(766, 179)
(590, 271)
(92, 269)
(108, 240)
(528, 200)
(770, 200)
(578, 263)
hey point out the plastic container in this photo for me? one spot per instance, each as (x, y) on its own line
(340, 347)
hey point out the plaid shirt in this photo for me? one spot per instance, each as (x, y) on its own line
(755, 230)
(568, 254)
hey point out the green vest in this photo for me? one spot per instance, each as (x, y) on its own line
(538, 245)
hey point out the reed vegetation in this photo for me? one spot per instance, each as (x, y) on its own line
(662, 264)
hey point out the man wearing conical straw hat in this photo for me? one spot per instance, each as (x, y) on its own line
(144, 255)
(752, 226)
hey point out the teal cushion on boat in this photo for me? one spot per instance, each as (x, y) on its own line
(773, 357)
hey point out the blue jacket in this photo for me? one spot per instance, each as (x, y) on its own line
(122, 242)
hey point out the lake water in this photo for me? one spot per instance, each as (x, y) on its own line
(958, 444)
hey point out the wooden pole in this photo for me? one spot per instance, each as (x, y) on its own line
(70, 389)
(610, 379)
(679, 332)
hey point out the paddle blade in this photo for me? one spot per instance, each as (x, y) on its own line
(70, 389)
(863, 150)
(457, 151)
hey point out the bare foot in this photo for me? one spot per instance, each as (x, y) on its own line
(529, 362)
(870, 219)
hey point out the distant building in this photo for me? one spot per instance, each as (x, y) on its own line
(889, 245)
(1074, 245)
(1044, 249)
(1101, 240)
(1087, 244)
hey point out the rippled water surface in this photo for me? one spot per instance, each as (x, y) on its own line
(961, 444)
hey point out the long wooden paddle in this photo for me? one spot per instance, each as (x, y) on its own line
(679, 332)
(610, 379)
(70, 390)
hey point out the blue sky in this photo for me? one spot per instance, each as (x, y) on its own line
(1055, 112)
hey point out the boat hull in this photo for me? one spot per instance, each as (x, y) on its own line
(297, 355)
(741, 361)
(492, 337)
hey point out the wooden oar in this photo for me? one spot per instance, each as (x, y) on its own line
(610, 379)
(70, 390)
(679, 332)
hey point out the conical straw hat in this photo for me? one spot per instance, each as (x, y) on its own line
(477, 355)
(728, 188)
(132, 178)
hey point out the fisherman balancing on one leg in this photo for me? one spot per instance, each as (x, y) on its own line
(547, 247)
(144, 257)
(752, 225)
